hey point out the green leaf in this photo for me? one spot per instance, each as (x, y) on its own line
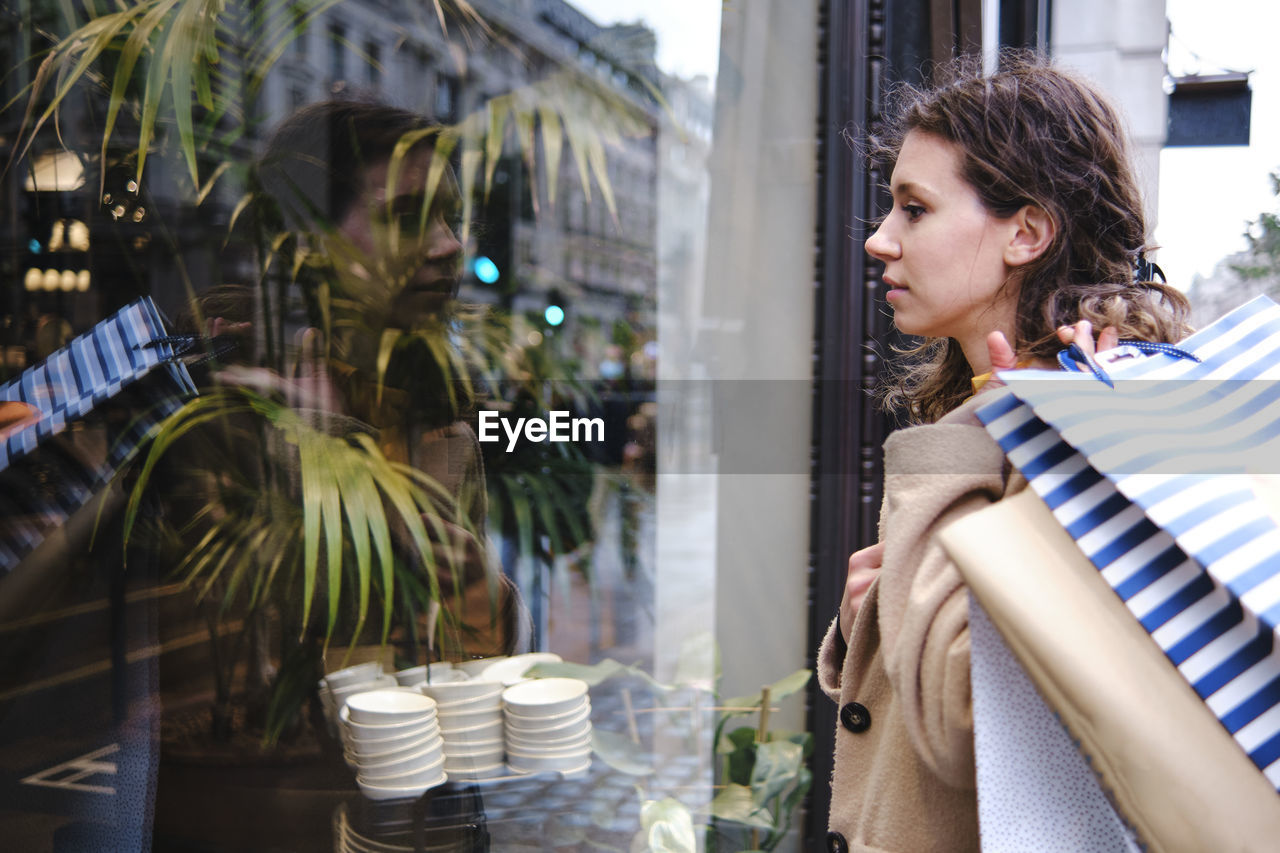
(522, 513)
(552, 141)
(497, 109)
(804, 779)
(593, 674)
(596, 157)
(192, 415)
(736, 804)
(620, 753)
(777, 765)
(779, 690)
(668, 826)
(351, 481)
(740, 748)
(179, 52)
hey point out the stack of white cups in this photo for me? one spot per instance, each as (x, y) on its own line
(340, 685)
(392, 740)
(470, 715)
(548, 725)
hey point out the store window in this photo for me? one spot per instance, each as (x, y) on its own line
(341, 474)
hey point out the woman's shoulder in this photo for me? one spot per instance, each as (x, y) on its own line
(957, 443)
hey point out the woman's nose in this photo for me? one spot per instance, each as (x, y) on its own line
(442, 243)
(880, 245)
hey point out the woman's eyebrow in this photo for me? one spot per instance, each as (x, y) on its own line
(910, 188)
(412, 202)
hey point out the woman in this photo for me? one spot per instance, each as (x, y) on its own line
(358, 188)
(1016, 226)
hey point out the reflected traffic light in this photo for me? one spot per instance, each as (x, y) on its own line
(485, 269)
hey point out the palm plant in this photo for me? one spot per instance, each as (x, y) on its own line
(319, 520)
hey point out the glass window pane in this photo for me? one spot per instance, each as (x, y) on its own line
(469, 385)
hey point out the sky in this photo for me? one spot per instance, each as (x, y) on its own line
(688, 30)
(1208, 194)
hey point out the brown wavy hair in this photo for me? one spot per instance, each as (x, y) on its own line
(1033, 134)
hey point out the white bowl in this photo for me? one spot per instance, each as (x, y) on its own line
(420, 771)
(375, 750)
(541, 740)
(381, 734)
(492, 699)
(485, 731)
(338, 698)
(565, 772)
(545, 734)
(351, 688)
(474, 747)
(398, 765)
(357, 674)
(498, 768)
(471, 734)
(564, 761)
(458, 691)
(542, 697)
(533, 747)
(551, 721)
(512, 670)
(429, 672)
(468, 720)
(412, 791)
(456, 763)
(391, 745)
(387, 707)
(412, 677)
(474, 667)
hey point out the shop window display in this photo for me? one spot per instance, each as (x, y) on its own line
(410, 479)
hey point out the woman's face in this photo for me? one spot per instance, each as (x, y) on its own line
(397, 257)
(943, 251)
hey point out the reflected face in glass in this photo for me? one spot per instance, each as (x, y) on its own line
(943, 251)
(404, 251)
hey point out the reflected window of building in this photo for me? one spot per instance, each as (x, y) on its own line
(337, 52)
(373, 58)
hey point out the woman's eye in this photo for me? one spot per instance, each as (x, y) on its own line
(913, 211)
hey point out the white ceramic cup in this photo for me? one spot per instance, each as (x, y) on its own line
(388, 707)
(544, 697)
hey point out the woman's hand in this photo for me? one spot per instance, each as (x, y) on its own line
(1081, 334)
(312, 389)
(864, 566)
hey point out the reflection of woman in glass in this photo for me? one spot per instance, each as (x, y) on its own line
(1016, 225)
(355, 185)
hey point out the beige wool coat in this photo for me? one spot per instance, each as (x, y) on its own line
(904, 767)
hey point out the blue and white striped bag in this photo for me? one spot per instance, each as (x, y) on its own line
(1152, 474)
(126, 358)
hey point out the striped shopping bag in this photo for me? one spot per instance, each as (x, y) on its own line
(128, 361)
(1149, 462)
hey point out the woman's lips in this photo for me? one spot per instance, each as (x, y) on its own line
(895, 289)
(442, 285)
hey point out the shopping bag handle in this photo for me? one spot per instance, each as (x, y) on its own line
(184, 345)
(1075, 359)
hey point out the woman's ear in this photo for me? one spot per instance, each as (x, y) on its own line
(1034, 230)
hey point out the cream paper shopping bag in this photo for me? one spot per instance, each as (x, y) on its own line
(1173, 772)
